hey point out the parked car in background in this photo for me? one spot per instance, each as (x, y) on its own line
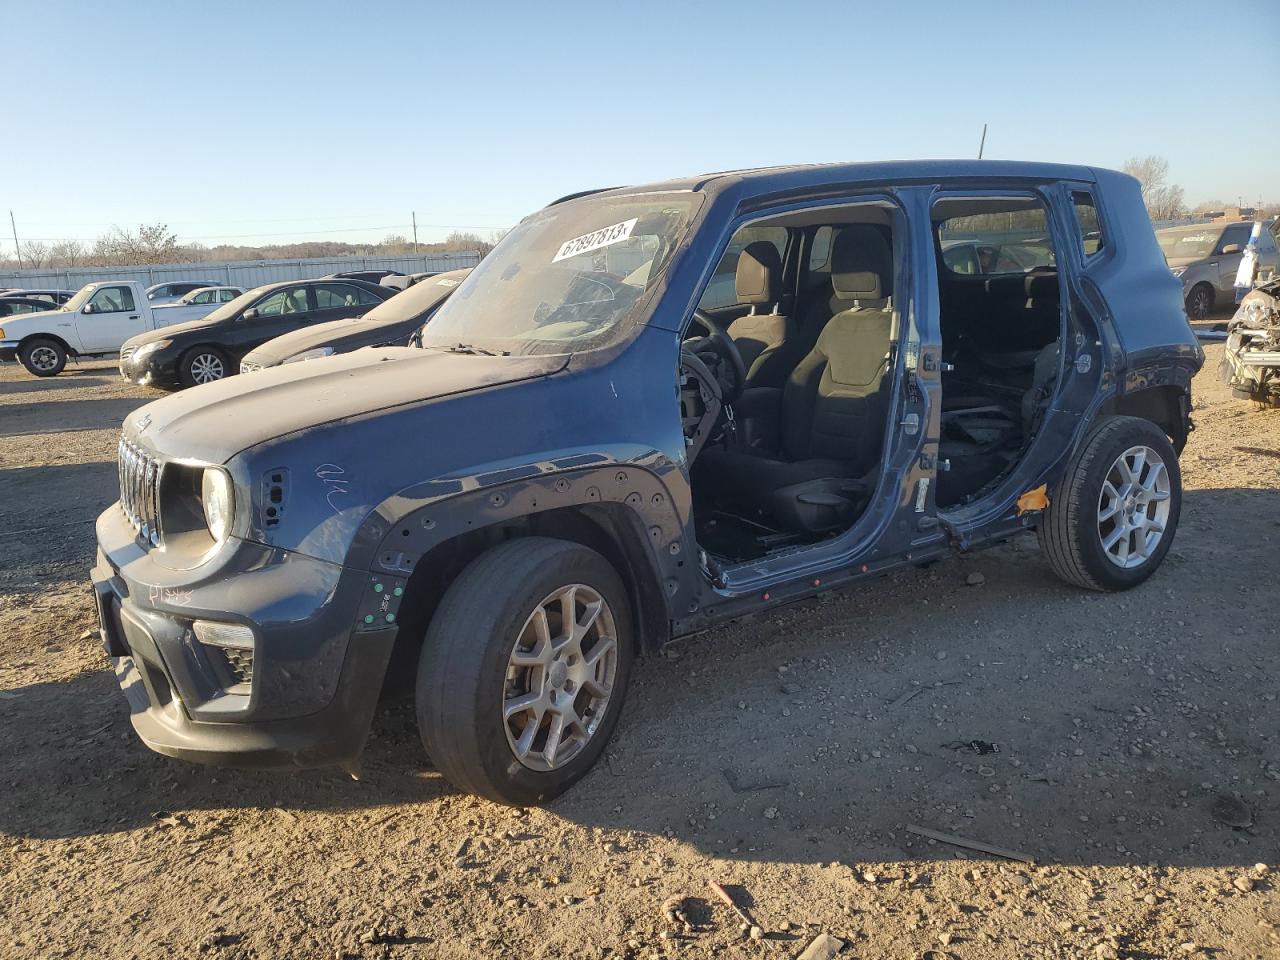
(391, 323)
(95, 322)
(583, 462)
(53, 297)
(401, 281)
(1206, 257)
(174, 290)
(973, 258)
(194, 305)
(1251, 362)
(369, 276)
(201, 351)
(13, 306)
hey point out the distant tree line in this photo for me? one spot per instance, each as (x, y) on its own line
(156, 243)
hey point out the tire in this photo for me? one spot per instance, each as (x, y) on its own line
(1200, 302)
(202, 365)
(1098, 552)
(466, 679)
(43, 357)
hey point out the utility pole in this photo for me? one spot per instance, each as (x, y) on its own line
(16, 249)
(983, 142)
(415, 232)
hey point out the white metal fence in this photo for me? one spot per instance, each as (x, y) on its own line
(243, 273)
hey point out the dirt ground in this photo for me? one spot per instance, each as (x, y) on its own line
(785, 757)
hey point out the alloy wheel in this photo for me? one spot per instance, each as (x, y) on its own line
(1133, 507)
(44, 358)
(207, 367)
(560, 677)
(1198, 304)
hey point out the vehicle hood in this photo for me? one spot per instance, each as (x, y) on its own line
(21, 324)
(214, 422)
(166, 332)
(347, 334)
(1187, 261)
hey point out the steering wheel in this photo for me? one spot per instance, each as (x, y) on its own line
(718, 339)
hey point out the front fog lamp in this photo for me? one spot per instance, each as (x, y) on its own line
(229, 636)
(218, 500)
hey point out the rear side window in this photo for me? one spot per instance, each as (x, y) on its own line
(1005, 242)
(1091, 239)
(330, 296)
(226, 296)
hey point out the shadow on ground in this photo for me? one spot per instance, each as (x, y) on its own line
(1123, 721)
(44, 417)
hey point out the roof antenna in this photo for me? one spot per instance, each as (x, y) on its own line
(983, 142)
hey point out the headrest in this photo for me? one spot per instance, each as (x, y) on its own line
(759, 271)
(861, 263)
(1041, 286)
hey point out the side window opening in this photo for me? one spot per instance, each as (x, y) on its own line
(1001, 322)
(788, 454)
(1086, 211)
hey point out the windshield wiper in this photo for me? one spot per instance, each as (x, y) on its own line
(476, 351)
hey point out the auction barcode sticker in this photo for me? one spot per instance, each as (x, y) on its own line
(596, 239)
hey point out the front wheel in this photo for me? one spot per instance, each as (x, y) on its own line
(43, 357)
(1113, 516)
(524, 669)
(203, 365)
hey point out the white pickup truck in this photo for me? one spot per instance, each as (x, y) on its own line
(93, 323)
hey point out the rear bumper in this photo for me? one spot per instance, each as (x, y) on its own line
(314, 674)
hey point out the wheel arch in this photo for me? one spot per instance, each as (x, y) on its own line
(623, 513)
(71, 351)
(1168, 406)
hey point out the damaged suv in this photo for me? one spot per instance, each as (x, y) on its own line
(593, 453)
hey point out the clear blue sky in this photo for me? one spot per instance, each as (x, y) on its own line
(237, 120)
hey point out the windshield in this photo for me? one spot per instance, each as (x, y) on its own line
(240, 303)
(80, 299)
(1189, 244)
(568, 278)
(416, 300)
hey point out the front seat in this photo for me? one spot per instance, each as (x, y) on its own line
(834, 407)
(761, 338)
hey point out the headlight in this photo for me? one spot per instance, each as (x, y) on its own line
(219, 502)
(310, 355)
(151, 347)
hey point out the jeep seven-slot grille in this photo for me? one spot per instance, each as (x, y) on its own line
(140, 491)
(126, 353)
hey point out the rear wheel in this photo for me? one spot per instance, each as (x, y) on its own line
(1113, 516)
(203, 365)
(43, 357)
(524, 669)
(1200, 302)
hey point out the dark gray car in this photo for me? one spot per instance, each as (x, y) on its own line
(391, 323)
(1206, 257)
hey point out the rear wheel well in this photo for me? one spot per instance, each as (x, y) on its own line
(1167, 407)
(611, 529)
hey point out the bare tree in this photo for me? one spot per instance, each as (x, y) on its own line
(35, 253)
(461, 240)
(67, 253)
(1163, 199)
(153, 243)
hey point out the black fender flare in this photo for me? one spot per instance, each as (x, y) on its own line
(633, 504)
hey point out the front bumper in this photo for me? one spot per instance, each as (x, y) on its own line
(8, 350)
(321, 646)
